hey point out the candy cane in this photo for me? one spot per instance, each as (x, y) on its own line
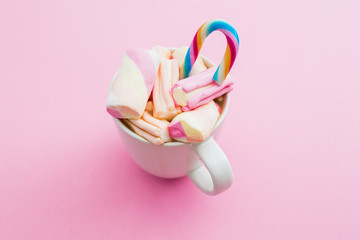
(230, 53)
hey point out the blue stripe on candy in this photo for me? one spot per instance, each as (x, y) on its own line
(215, 77)
(187, 64)
(220, 24)
(213, 26)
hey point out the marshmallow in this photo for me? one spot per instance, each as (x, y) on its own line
(132, 84)
(149, 106)
(150, 128)
(164, 105)
(196, 125)
(199, 89)
(162, 51)
(179, 55)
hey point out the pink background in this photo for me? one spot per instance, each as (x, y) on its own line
(292, 133)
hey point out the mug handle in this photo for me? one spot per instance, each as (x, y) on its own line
(212, 173)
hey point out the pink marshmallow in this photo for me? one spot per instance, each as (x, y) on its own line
(132, 84)
(196, 125)
(199, 89)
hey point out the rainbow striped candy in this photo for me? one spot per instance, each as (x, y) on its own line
(230, 53)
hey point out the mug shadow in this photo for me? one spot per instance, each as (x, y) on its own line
(118, 187)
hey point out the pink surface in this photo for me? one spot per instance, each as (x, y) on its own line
(292, 133)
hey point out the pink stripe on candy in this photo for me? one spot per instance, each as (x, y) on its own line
(233, 48)
(194, 48)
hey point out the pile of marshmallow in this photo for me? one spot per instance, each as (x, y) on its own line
(149, 96)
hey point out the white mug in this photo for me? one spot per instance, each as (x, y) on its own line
(204, 163)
